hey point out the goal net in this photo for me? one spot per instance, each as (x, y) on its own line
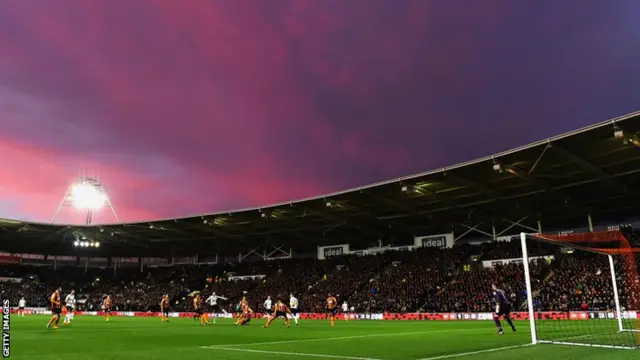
(589, 293)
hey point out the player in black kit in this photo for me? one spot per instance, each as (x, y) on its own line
(503, 308)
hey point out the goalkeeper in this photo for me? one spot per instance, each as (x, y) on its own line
(503, 308)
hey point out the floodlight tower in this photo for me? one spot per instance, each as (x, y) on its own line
(86, 194)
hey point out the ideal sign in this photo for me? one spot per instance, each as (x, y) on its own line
(435, 241)
(325, 252)
(440, 241)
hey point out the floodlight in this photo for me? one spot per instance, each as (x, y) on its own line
(97, 244)
(86, 196)
(618, 133)
(76, 243)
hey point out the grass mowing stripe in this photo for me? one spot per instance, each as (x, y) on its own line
(475, 352)
(295, 354)
(339, 338)
(81, 327)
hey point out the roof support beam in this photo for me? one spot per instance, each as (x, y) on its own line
(407, 210)
(278, 231)
(541, 183)
(494, 194)
(434, 194)
(535, 164)
(587, 165)
(488, 191)
(49, 236)
(363, 228)
(471, 229)
(389, 202)
(514, 224)
(242, 256)
(281, 253)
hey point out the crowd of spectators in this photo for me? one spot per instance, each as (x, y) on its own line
(425, 279)
(583, 281)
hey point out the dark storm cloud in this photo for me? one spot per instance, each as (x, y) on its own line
(196, 106)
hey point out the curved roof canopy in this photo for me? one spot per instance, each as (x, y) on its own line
(554, 183)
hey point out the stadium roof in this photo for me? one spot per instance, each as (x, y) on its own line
(557, 182)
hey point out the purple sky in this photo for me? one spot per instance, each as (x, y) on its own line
(184, 107)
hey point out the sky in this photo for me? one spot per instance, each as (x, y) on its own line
(189, 107)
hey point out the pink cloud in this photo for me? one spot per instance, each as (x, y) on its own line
(197, 106)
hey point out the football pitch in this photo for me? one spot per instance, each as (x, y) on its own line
(123, 338)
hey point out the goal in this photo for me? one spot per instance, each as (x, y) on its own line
(588, 293)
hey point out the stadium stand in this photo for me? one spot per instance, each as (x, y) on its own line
(575, 182)
(406, 281)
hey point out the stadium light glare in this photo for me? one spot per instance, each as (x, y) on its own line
(618, 133)
(77, 243)
(97, 244)
(86, 196)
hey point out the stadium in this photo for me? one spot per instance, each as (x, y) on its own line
(551, 223)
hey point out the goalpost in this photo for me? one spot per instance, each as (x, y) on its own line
(586, 294)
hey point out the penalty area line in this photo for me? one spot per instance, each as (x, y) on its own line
(293, 354)
(475, 352)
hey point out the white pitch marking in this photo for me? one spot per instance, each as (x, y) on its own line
(475, 352)
(294, 354)
(336, 338)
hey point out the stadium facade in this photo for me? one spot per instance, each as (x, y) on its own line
(552, 223)
(584, 180)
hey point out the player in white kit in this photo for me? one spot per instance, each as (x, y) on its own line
(213, 304)
(21, 305)
(345, 310)
(268, 304)
(293, 306)
(70, 303)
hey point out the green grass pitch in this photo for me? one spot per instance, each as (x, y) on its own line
(123, 338)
